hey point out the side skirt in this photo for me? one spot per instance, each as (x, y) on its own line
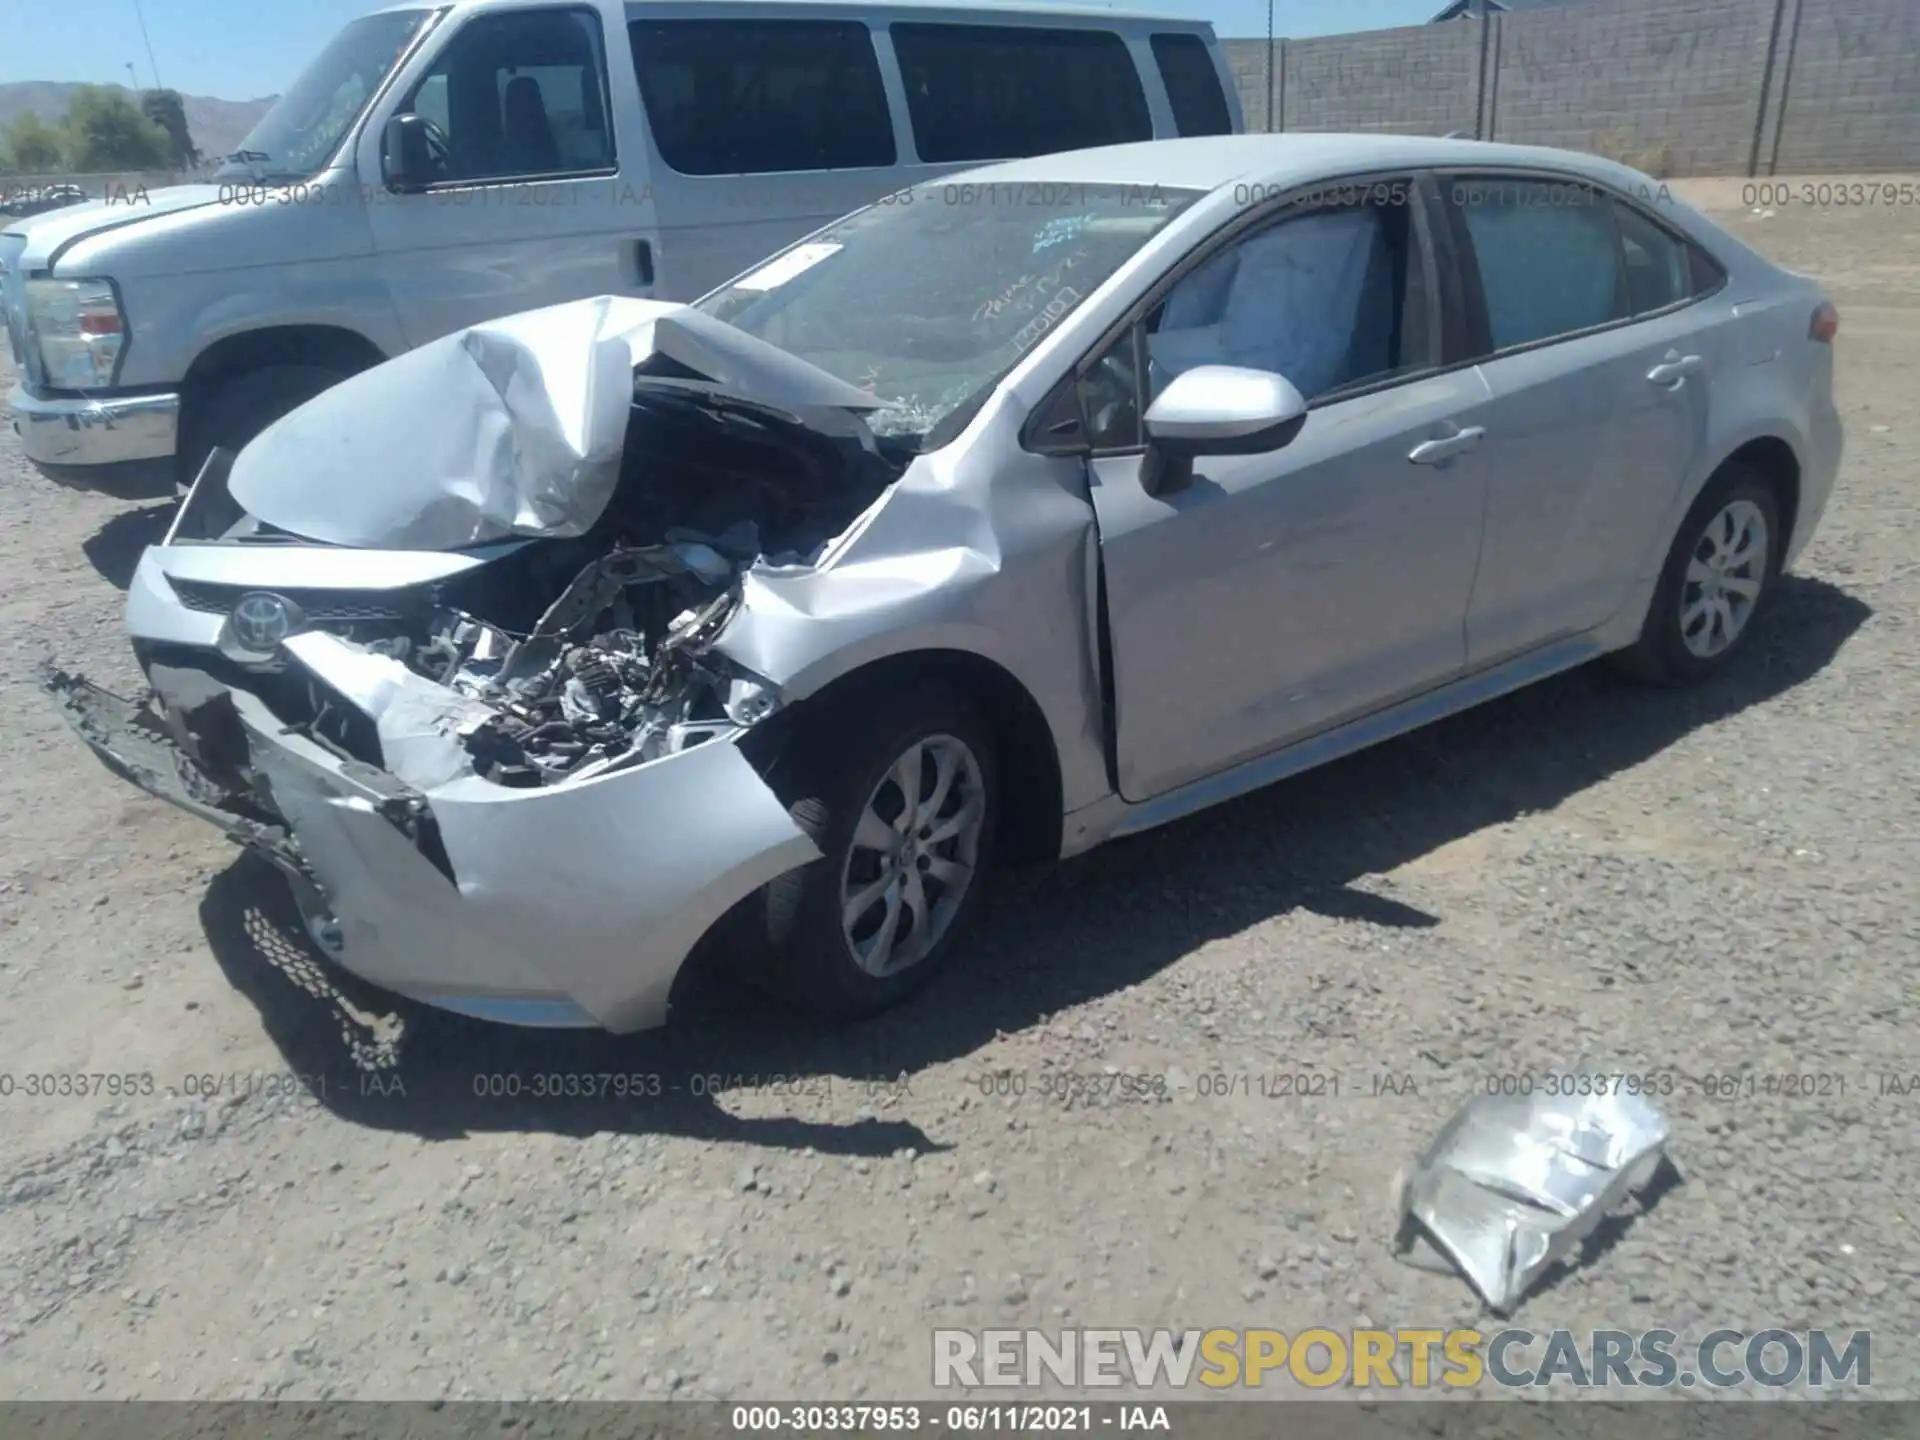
(1113, 817)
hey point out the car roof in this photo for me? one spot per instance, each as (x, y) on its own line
(1210, 162)
(1084, 10)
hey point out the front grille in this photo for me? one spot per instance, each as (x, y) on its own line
(317, 605)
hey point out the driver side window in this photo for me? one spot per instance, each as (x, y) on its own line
(518, 96)
(1330, 297)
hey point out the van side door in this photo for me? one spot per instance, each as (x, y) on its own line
(538, 196)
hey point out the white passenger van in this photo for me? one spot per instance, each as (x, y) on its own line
(439, 165)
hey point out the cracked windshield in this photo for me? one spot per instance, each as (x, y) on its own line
(928, 297)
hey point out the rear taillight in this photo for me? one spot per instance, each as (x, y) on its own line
(1825, 323)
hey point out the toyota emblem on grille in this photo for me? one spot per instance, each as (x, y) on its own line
(261, 620)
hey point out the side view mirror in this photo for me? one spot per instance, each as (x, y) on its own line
(1217, 410)
(406, 162)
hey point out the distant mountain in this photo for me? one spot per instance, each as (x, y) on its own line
(217, 126)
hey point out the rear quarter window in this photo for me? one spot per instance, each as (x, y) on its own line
(986, 92)
(1657, 264)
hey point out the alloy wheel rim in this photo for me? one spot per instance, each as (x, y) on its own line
(914, 855)
(1725, 572)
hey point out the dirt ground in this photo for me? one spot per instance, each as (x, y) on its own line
(1722, 882)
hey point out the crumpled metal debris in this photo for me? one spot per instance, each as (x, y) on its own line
(1514, 1183)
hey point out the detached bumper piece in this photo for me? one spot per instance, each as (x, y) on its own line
(573, 903)
(1515, 1183)
(131, 739)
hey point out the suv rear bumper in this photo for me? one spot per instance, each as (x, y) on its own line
(65, 434)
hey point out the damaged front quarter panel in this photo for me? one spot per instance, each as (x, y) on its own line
(591, 892)
(567, 903)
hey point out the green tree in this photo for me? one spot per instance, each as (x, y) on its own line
(106, 132)
(165, 109)
(30, 146)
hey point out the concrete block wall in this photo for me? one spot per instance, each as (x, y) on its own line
(1415, 79)
(1247, 59)
(1676, 87)
(1661, 84)
(1848, 88)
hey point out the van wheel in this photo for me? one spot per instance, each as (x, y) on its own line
(903, 804)
(1718, 574)
(241, 406)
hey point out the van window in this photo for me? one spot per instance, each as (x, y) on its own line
(740, 97)
(980, 92)
(1193, 85)
(518, 94)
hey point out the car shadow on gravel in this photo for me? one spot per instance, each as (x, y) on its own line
(1047, 942)
(116, 547)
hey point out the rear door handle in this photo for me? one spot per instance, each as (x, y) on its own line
(1432, 452)
(1676, 368)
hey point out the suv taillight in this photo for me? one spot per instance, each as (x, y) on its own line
(1825, 324)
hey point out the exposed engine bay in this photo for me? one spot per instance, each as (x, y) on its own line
(595, 651)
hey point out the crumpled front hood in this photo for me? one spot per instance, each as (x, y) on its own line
(510, 428)
(53, 230)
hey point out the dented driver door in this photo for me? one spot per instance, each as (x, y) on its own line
(1279, 594)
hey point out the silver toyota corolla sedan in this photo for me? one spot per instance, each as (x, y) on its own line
(1034, 507)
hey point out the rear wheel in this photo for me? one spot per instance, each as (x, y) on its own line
(239, 407)
(1718, 573)
(902, 803)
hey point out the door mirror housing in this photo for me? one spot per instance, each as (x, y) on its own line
(1225, 410)
(406, 161)
(1216, 410)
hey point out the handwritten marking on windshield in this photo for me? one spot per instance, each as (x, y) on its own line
(1030, 333)
(1031, 285)
(1058, 232)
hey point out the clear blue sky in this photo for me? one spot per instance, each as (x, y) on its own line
(238, 49)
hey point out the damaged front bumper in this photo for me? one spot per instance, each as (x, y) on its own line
(568, 904)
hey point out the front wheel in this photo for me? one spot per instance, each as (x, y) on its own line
(902, 802)
(1719, 571)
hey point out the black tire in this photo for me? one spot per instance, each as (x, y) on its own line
(837, 767)
(1661, 655)
(241, 406)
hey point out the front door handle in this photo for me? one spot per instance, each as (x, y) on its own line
(1457, 442)
(1675, 369)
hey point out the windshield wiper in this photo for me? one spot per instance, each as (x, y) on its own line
(246, 156)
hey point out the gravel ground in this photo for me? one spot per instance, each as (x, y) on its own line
(1719, 883)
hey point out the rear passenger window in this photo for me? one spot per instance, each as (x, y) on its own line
(727, 97)
(1657, 265)
(1193, 85)
(1548, 261)
(981, 92)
